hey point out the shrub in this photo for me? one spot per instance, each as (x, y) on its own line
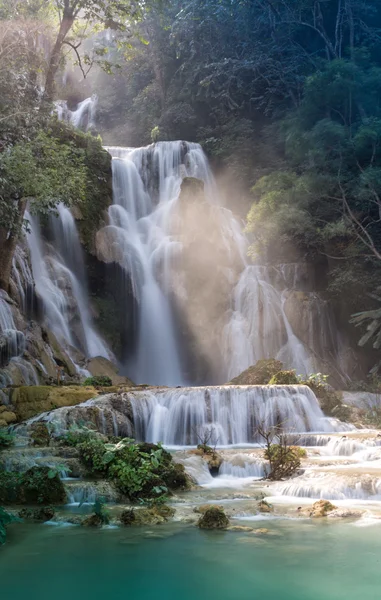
(329, 400)
(284, 460)
(6, 439)
(143, 472)
(5, 519)
(98, 381)
(284, 378)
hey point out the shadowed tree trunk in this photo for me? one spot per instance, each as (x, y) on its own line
(8, 243)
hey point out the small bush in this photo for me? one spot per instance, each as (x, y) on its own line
(98, 381)
(284, 378)
(6, 439)
(284, 461)
(5, 519)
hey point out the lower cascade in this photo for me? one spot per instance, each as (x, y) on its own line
(230, 415)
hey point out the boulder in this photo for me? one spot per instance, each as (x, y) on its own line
(319, 509)
(99, 366)
(204, 507)
(9, 417)
(145, 516)
(30, 401)
(265, 507)
(213, 518)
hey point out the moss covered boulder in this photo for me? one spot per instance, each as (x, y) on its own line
(213, 518)
(258, 374)
(146, 516)
(30, 401)
(38, 485)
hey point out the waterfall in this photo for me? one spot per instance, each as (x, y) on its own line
(264, 299)
(60, 283)
(230, 415)
(83, 117)
(12, 341)
(138, 238)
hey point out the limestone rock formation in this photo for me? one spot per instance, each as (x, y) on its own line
(99, 366)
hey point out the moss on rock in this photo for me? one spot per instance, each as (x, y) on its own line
(258, 374)
(213, 518)
(30, 401)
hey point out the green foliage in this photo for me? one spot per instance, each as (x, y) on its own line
(98, 381)
(143, 472)
(38, 485)
(284, 460)
(77, 435)
(284, 378)
(101, 511)
(329, 400)
(260, 373)
(6, 439)
(5, 519)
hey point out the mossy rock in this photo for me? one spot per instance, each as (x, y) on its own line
(30, 401)
(32, 487)
(38, 488)
(284, 378)
(38, 515)
(258, 374)
(213, 518)
(40, 434)
(92, 521)
(143, 516)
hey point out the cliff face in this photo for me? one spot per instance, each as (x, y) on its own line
(31, 352)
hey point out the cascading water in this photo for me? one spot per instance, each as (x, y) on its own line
(83, 117)
(12, 341)
(138, 238)
(62, 290)
(230, 415)
(260, 327)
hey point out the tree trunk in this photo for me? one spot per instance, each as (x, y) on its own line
(54, 63)
(8, 243)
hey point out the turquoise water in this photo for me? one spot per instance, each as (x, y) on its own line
(300, 561)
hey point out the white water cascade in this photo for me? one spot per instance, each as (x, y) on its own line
(12, 341)
(138, 238)
(147, 184)
(60, 283)
(83, 117)
(181, 416)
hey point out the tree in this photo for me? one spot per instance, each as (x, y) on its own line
(80, 18)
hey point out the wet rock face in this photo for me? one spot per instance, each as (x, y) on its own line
(100, 366)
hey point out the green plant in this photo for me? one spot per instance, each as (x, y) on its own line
(284, 378)
(58, 471)
(101, 511)
(77, 434)
(5, 519)
(98, 381)
(6, 439)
